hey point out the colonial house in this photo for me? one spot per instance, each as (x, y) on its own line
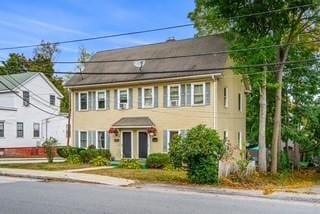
(134, 100)
(29, 114)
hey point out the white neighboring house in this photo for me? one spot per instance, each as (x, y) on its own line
(29, 113)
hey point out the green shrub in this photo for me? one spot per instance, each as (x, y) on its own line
(284, 161)
(157, 160)
(74, 159)
(50, 148)
(66, 151)
(89, 154)
(99, 161)
(130, 164)
(200, 151)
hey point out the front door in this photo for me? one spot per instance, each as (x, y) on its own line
(143, 145)
(126, 145)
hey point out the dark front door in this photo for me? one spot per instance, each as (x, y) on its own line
(143, 145)
(126, 144)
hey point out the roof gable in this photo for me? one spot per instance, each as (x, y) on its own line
(11, 81)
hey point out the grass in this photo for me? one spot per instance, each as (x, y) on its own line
(146, 175)
(44, 166)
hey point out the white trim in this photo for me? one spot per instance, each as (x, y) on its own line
(142, 96)
(79, 100)
(118, 100)
(215, 103)
(79, 138)
(121, 140)
(179, 95)
(239, 136)
(143, 81)
(226, 101)
(168, 136)
(105, 139)
(148, 138)
(105, 100)
(203, 91)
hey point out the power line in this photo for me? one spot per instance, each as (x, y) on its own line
(39, 108)
(149, 30)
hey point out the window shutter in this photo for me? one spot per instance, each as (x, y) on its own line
(115, 99)
(155, 97)
(94, 136)
(139, 98)
(183, 95)
(107, 99)
(165, 96)
(107, 141)
(188, 95)
(130, 98)
(93, 100)
(90, 101)
(165, 141)
(208, 93)
(89, 138)
(77, 101)
(76, 139)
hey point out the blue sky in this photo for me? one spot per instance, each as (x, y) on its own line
(28, 22)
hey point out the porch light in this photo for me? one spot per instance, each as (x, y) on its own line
(152, 131)
(114, 131)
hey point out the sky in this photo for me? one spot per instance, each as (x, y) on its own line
(25, 22)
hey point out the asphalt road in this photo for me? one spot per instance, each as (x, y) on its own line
(29, 196)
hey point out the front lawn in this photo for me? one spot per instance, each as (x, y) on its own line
(146, 175)
(45, 166)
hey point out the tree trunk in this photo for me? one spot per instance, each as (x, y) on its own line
(296, 161)
(262, 124)
(277, 114)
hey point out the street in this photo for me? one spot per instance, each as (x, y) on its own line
(31, 196)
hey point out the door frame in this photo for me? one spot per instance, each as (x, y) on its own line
(121, 140)
(148, 143)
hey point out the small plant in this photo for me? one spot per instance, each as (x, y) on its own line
(99, 161)
(157, 160)
(50, 148)
(89, 154)
(74, 159)
(130, 164)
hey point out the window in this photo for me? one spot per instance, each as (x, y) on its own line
(83, 101)
(83, 139)
(198, 92)
(52, 100)
(174, 95)
(240, 102)
(19, 129)
(123, 102)
(147, 97)
(171, 134)
(225, 97)
(26, 98)
(1, 128)
(240, 140)
(225, 136)
(36, 129)
(101, 100)
(101, 140)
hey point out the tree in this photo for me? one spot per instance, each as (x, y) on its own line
(293, 20)
(84, 56)
(50, 146)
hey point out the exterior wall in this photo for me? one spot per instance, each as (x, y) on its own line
(164, 118)
(40, 92)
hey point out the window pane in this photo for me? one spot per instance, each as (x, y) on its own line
(83, 139)
(26, 98)
(123, 96)
(148, 97)
(19, 129)
(1, 129)
(172, 134)
(101, 100)
(198, 96)
(83, 101)
(36, 130)
(174, 96)
(101, 140)
(52, 100)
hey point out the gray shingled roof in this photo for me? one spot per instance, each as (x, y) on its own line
(169, 48)
(10, 82)
(134, 121)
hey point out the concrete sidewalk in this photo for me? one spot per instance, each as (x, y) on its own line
(28, 160)
(65, 176)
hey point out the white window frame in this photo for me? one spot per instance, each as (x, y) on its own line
(179, 95)
(97, 100)
(203, 91)
(79, 143)
(128, 97)
(54, 99)
(240, 102)
(239, 136)
(3, 123)
(168, 136)
(26, 100)
(105, 139)
(226, 97)
(143, 98)
(34, 130)
(87, 93)
(21, 130)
